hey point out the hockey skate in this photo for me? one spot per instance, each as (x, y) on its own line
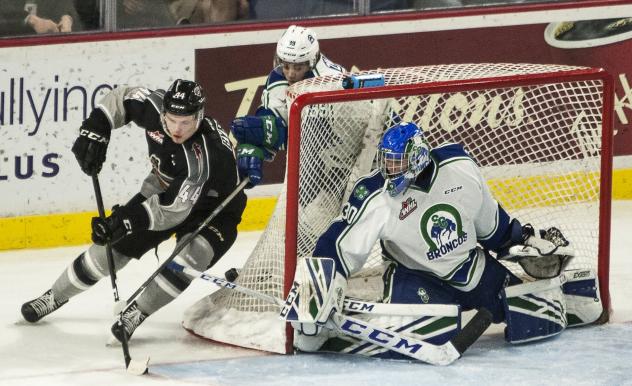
(37, 308)
(132, 318)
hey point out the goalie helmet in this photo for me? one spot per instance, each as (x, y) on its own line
(297, 45)
(403, 154)
(184, 97)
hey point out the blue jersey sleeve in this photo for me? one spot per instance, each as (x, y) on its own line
(502, 236)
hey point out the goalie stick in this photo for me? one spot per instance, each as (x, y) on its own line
(352, 305)
(132, 366)
(433, 354)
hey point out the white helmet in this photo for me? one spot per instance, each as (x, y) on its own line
(297, 45)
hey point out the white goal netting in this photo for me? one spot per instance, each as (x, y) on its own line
(535, 130)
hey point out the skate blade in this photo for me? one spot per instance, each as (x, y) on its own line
(138, 367)
(112, 342)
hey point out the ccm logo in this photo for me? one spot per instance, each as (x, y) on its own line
(358, 306)
(379, 336)
(452, 190)
(93, 136)
(291, 298)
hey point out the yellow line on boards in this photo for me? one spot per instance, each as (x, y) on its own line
(63, 229)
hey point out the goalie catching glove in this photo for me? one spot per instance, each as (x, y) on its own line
(543, 254)
(317, 293)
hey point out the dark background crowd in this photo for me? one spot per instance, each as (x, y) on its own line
(29, 17)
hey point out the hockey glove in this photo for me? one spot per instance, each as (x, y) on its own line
(267, 131)
(546, 242)
(542, 254)
(112, 228)
(90, 148)
(250, 162)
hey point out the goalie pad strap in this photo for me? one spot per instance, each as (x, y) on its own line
(583, 301)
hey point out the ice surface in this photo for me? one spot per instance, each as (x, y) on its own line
(68, 347)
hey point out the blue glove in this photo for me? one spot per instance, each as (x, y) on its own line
(250, 161)
(267, 131)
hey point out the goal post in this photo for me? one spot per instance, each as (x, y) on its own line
(541, 134)
(452, 86)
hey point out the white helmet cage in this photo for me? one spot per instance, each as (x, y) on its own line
(297, 45)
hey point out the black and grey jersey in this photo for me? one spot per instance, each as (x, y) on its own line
(186, 178)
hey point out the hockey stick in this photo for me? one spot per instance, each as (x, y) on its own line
(134, 367)
(352, 305)
(185, 240)
(359, 306)
(433, 354)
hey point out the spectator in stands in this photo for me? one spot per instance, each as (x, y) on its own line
(393, 5)
(208, 11)
(40, 16)
(89, 13)
(283, 9)
(12, 16)
(143, 14)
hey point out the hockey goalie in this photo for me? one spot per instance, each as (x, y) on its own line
(444, 238)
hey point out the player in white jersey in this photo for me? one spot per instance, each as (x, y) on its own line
(437, 222)
(260, 136)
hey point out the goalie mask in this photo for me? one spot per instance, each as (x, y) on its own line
(297, 45)
(403, 154)
(184, 98)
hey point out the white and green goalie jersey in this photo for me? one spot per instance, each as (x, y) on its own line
(434, 226)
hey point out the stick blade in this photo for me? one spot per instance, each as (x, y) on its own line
(472, 331)
(138, 367)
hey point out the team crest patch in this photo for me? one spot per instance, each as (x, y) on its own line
(197, 150)
(156, 136)
(408, 207)
(361, 192)
(442, 229)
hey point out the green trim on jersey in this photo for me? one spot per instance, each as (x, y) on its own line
(470, 274)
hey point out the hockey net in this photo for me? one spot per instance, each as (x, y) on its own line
(540, 133)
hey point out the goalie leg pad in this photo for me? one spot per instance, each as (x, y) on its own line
(310, 337)
(318, 291)
(583, 302)
(534, 310)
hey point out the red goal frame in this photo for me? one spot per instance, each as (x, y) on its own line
(307, 99)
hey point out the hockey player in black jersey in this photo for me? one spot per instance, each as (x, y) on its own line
(193, 171)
